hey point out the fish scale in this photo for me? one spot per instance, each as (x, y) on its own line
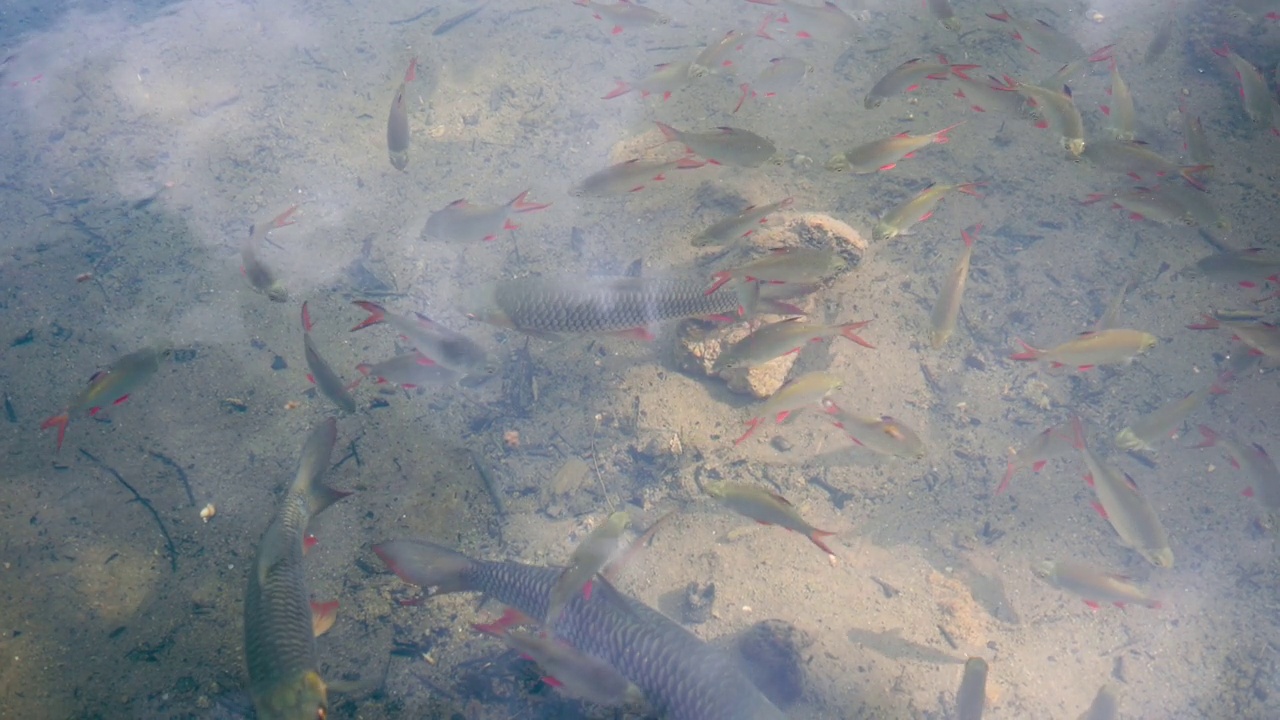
(549, 305)
(681, 676)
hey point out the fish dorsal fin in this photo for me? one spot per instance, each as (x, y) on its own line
(1128, 480)
(779, 498)
(99, 375)
(460, 203)
(635, 268)
(1261, 450)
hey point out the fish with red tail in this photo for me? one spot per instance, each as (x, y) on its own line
(279, 629)
(884, 154)
(326, 380)
(260, 275)
(767, 508)
(461, 221)
(1094, 586)
(782, 74)
(781, 338)
(110, 387)
(442, 345)
(724, 145)
(624, 15)
(909, 76)
(808, 389)
(917, 209)
(1111, 346)
(682, 677)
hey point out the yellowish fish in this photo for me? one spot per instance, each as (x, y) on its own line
(1119, 108)
(1095, 586)
(398, 123)
(261, 277)
(1165, 420)
(946, 311)
(1120, 503)
(1113, 346)
(917, 209)
(1037, 451)
(1259, 104)
(884, 154)
(909, 76)
(883, 435)
(808, 389)
(766, 507)
(595, 551)
(110, 387)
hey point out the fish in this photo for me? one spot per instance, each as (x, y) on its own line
(884, 154)
(1194, 140)
(982, 95)
(1052, 109)
(909, 76)
(548, 306)
(1259, 104)
(326, 380)
(624, 15)
(1256, 9)
(917, 209)
(1040, 37)
(971, 698)
(261, 277)
(1113, 346)
(457, 20)
(1260, 337)
(946, 16)
(1037, 451)
(1255, 462)
(714, 56)
(1095, 586)
(1136, 160)
(460, 221)
(682, 677)
(1160, 38)
(723, 146)
(279, 638)
(442, 345)
(1105, 705)
(1120, 503)
(784, 265)
(782, 74)
(816, 22)
(630, 176)
(1198, 204)
(740, 225)
(767, 508)
(808, 389)
(595, 551)
(664, 80)
(946, 311)
(575, 674)
(398, 122)
(1144, 203)
(781, 338)
(110, 387)
(409, 371)
(883, 435)
(1165, 420)
(1247, 268)
(1119, 110)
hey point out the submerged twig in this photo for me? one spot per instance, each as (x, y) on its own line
(168, 541)
(491, 488)
(182, 474)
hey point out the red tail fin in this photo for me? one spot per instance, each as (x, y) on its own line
(60, 422)
(377, 314)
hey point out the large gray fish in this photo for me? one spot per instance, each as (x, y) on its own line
(398, 123)
(681, 676)
(279, 641)
(546, 306)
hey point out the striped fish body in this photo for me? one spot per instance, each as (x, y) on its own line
(549, 306)
(681, 676)
(279, 642)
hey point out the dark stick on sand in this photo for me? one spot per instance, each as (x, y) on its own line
(495, 494)
(168, 541)
(182, 474)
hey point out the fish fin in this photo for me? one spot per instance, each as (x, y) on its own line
(1092, 605)
(377, 314)
(719, 279)
(1102, 512)
(520, 204)
(59, 421)
(1209, 322)
(1028, 352)
(323, 616)
(621, 89)
(306, 318)
(751, 427)
(816, 536)
(309, 541)
(636, 333)
(848, 331)
(1247, 492)
(1077, 433)
(509, 619)
(120, 400)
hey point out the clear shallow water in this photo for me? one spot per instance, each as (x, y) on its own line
(140, 142)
